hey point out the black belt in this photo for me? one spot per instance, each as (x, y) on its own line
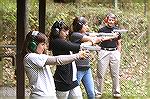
(109, 49)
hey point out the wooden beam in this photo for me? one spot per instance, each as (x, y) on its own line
(21, 23)
(42, 10)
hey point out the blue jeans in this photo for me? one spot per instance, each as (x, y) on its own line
(86, 77)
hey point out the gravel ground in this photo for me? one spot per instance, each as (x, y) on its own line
(10, 93)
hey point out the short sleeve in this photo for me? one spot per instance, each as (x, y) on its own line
(76, 37)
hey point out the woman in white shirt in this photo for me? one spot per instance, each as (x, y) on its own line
(37, 65)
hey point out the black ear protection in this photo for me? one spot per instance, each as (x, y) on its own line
(56, 28)
(80, 23)
(32, 45)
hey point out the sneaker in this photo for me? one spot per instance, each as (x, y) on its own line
(117, 94)
(98, 94)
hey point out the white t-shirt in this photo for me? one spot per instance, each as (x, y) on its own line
(40, 77)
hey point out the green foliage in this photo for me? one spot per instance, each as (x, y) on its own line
(134, 60)
(8, 20)
(1, 73)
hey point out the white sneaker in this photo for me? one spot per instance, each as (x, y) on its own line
(116, 94)
(98, 94)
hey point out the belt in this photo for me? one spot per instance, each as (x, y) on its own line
(109, 49)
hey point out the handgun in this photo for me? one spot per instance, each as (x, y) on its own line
(112, 34)
(90, 48)
(120, 30)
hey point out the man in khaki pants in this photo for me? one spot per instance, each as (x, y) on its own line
(109, 57)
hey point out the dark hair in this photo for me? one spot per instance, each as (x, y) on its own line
(33, 36)
(57, 27)
(55, 31)
(78, 22)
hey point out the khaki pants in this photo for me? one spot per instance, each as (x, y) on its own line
(42, 97)
(109, 59)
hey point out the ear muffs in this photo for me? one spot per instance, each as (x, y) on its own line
(55, 32)
(80, 23)
(32, 45)
(56, 28)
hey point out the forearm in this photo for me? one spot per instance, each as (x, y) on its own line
(93, 34)
(119, 45)
(61, 59)
(119, 48)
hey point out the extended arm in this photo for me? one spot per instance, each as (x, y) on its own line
(61, 59)
(65, 59)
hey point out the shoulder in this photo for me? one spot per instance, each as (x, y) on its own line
(103, 29)
(60, 42)
(75, 37)
(34, 56)
(57, 40)
(33, 59)
(76, 34)
(115, 27)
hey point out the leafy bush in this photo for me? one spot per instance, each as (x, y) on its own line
(134, 62)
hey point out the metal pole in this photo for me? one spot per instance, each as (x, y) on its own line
(21, 23)
(42, 10)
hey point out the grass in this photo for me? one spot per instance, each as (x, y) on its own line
(1, 71)
(133, 56)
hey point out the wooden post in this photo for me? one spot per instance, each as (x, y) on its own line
(21, 23)
(145, 7)
(42, 10)
(116, 4)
